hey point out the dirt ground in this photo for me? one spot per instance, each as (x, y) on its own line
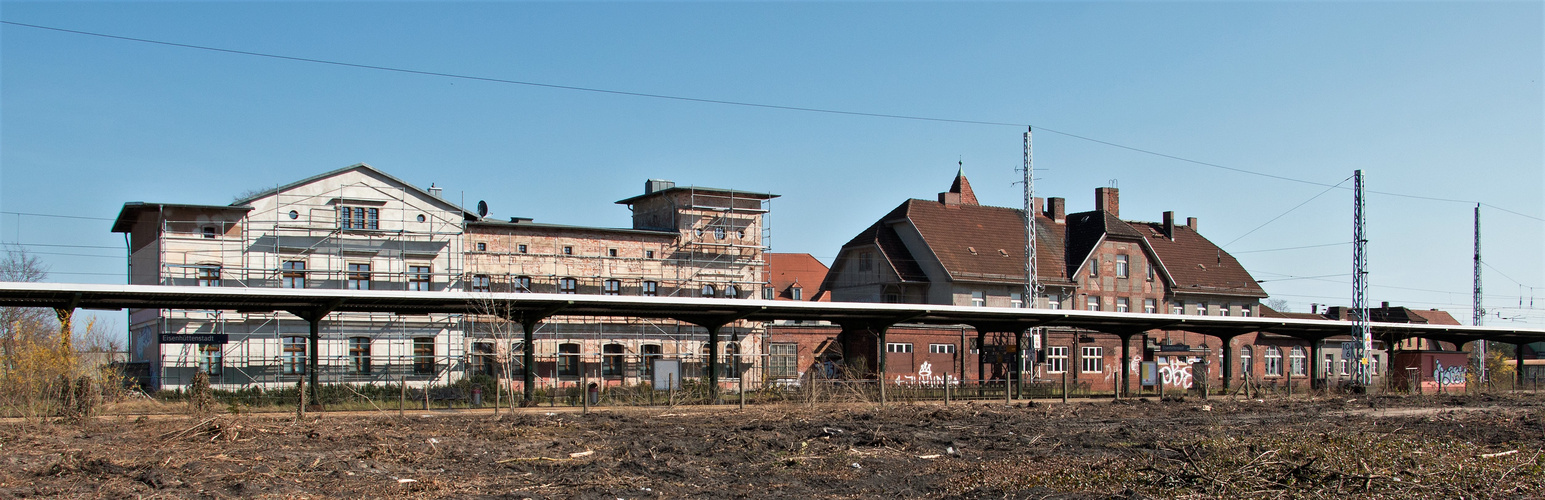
(1471, 447)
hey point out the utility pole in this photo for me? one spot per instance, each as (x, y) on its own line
(1362, 378)
(1477, 312)
(1033, 287)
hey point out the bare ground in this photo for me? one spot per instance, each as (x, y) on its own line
(1472, 447)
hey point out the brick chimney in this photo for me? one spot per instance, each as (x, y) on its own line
(1057, 209)
(1037, 205)
(1169, 225)
(1107, 199)
(1191, 223)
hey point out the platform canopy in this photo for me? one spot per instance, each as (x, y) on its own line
(715, 311)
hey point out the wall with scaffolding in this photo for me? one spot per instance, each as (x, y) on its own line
(354, 229)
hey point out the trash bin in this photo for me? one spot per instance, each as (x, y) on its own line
(477, 397)
(594, 393)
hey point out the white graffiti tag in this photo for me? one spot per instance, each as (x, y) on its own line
(1453, 375)
(926, 378)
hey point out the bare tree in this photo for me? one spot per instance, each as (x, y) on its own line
(1279, 305)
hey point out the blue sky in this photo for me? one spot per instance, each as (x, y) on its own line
(1434, 100)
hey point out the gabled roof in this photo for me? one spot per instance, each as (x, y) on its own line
(972, 242)
(1400, 314)
(784, 270)
(750, 195)
(357, 166)
(1196, 265)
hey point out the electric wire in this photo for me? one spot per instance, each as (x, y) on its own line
(1284, 214)
(1292, 248)
(727, 102)
(58, 216)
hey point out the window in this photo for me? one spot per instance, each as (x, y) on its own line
(517, 359)
(1223, 309)
(424, 355)
(709, 291)
(729, 367)
(359, 277)
(1053, 301)
(611, 252)
(1150, 306)
(294, 275)
(567, 250)
(1093, 304)
(783, 360)
(612, 360)
(359, 218)
(294, 357)
(209, 359)
(359, 354)
(1094, 359)
(482, 359)
(865, 261)
(978, 299)
(732, 291)
(975, 348)
(1123, 304)
(568, 285)
(1201, 309)
(650, 353)
(1373, 364)
(568, 360)
(482, 247)
(718, 233)
(421, 218)
(209, 276)
(1177, 308)
(1330, 364)
(418, 278)
(1244, 310)
(481, 283)
(296, 215)
(1297, 358)
(522, 284)
(1056, 359)
(1016, 299)
(768, 293)
(520, 248)
(651, 289)
(891, 297)
(209, 232)
(902, 347)
(1273, 361)
(797, 293)
(1094, 267)
(649, 254)
(941, 348)
(1244, 360)
(611, 287)
(1121, 266)
(1150, 271)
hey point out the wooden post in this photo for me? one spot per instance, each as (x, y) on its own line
(742, 379)
(1064, 385)
(402, 396)
(670, 386)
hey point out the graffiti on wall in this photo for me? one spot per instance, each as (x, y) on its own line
(1453, 375)
(926, 378)
(1176, 372)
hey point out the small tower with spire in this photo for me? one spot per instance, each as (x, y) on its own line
(960, 191)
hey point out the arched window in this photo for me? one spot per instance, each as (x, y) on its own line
(568, 360)
(612, 360)
(568, 285)
(611, 287)
(709, 291)
(732, 292)
(1245, 356)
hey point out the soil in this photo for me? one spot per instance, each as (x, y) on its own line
(1472, 447)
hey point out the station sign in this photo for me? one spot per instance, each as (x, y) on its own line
(195, 338)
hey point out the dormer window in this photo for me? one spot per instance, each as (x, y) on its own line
(796, 293)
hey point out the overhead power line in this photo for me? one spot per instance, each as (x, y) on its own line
(1284, 214)
(727, 102)
(58, 216)
(1293, 248)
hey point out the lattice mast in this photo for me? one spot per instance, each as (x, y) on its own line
(1360, 328)
(1477, 312)
(1033, 287)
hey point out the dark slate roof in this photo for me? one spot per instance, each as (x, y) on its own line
(1195, 265)
(1085, 229)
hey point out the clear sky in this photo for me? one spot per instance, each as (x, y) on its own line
(1433, 101)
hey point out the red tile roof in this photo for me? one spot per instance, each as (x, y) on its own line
(963, 188)
(1195, 265)
(785, 270)
(972, 242)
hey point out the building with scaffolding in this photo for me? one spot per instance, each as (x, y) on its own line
(685, 242)
(363, 229)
